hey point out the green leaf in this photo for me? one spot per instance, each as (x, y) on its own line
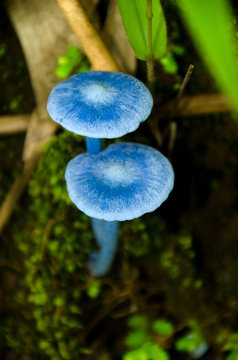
(190, 342)
(210, 24)
(138, 354)
(136, 339)
(64, 70)
(68, 62)
(169, 63)
(148, 351)
(138, 322)
(74, 54)
(135, 22)
(94, 289)
(231, 343)
(232, 356)
(155, 352)
(163, 327)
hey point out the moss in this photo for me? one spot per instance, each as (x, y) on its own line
(158, 265)
(55, 243)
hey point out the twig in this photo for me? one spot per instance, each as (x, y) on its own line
(172, 136)
(171, 129)
(106, 310)
(202, 104)
(38, 134)
(91, 42)
(149, 61)
(153, 125)
(181, 91)
(16, 191)
(47, 233)
(12, 124)
(185, 80)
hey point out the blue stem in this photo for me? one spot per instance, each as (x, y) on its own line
(106, 235)
(93, 145)
(105, 232)
(98, 230)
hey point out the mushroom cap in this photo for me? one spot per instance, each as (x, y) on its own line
(100, 104)
(122, 182)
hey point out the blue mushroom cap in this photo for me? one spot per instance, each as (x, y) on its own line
(100, 104)
(122, 182)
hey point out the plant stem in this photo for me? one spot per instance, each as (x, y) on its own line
(149, 16)
(150, 61)
(93, 145)
(105, 232)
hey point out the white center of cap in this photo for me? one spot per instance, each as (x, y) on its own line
(97, 93)
(115, 173)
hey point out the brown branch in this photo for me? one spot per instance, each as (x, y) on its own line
(171, 131)
(38, 134)
(181, 91)
(12, 124)
(202, 104)
(195, 105)
(188, 106)
(16, 191)
(91, 42)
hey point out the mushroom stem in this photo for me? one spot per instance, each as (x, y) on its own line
(106, 233)
(93, 145)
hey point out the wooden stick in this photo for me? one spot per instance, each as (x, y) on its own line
(12, 124)
(171, 130)
(16, 191)
(202, 104)
(94, 48)
(196, 105)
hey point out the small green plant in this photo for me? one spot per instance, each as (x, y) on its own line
(229, 342)
(94, 288)
(55, 243)
(193, 342)
(148, 339)
(72, 61)
(3, 50)
(145, 338)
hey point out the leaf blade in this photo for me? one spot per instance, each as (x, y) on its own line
(209, 23)
(135, 22)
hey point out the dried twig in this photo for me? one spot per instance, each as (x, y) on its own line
(91, 42)
(32, 153)
(171, 129)
(201, 104)
(181, 91)
(13, 124)
(16, 191)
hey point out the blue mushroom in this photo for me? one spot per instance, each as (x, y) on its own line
(100, 104)
(106, 233)
(122, 182)
(200, 351)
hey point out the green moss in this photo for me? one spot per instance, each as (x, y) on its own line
(55, 242)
